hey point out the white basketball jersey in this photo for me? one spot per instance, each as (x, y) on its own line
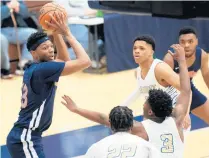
(122, 145)
(165, 137)
(150, 82)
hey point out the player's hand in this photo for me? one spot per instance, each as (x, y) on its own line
(69, 103)
(187, 122)
(59, 24)
(179, 53)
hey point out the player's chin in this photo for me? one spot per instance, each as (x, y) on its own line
(189, 54)
(51, 58)
(137, 61)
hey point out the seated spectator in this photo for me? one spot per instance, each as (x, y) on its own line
(9, 31)
(5, 65)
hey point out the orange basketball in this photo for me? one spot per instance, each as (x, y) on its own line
(46, 10)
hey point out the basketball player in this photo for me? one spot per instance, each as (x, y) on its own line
(197, 59)
(153, 73)
(39, 87)
(163, 124)
(122, 143)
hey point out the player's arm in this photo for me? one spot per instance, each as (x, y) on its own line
(183, 100)
(90, 115)
(82, 59)
(62, 51)
(205, 68)
(166, 73)
(93, 115)
(169, 60)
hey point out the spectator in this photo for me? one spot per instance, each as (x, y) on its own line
(23, 29)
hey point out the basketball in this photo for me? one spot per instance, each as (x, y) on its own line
(46, 10)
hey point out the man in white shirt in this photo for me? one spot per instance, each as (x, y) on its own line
(122, 143)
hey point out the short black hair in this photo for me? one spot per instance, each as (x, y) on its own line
(33, 38)
(148, 39)
(187, 30)
(160, 103)
(121, 119)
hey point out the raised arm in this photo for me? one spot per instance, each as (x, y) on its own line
(183, 101)
(62, 51)
(82, 60)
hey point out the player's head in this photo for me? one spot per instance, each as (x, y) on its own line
(121, 119)
(40, 47)
(143, 48)
(188, 40)
(158, 104)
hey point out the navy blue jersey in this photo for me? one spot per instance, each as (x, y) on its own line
(194, 67)
(38, 92)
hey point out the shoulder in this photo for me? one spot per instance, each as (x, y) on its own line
(204, 53)
(162, 67)
(139, 130)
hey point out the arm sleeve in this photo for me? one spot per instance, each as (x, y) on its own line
(49, 71)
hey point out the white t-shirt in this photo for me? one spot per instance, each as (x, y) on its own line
(122, 145)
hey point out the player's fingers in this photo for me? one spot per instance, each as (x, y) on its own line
(50, 24)
(68, 98)
(62, 17)
(57, 17)
(64, 103)
(53, 19)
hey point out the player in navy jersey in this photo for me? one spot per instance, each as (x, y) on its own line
(39, 87)
(197, 59)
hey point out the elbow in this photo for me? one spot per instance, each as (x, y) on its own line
(86, 63)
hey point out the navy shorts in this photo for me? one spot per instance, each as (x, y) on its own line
(25, 143)
(198, 98)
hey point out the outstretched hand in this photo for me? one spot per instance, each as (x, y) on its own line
(69, 103)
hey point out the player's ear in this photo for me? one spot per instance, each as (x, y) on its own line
(150, 112)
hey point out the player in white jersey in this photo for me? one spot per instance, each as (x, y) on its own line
(163, 124)
(122, 143)
(153, 73)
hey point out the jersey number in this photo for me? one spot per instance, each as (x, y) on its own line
(123, 151)
(167, 143)
(24, 99)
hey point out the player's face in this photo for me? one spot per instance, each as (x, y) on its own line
(147, 111)
(45, 51)
(189, 42)
(142, 51)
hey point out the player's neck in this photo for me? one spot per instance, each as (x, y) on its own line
(157, 119)
(145, 66)
(190, 59)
